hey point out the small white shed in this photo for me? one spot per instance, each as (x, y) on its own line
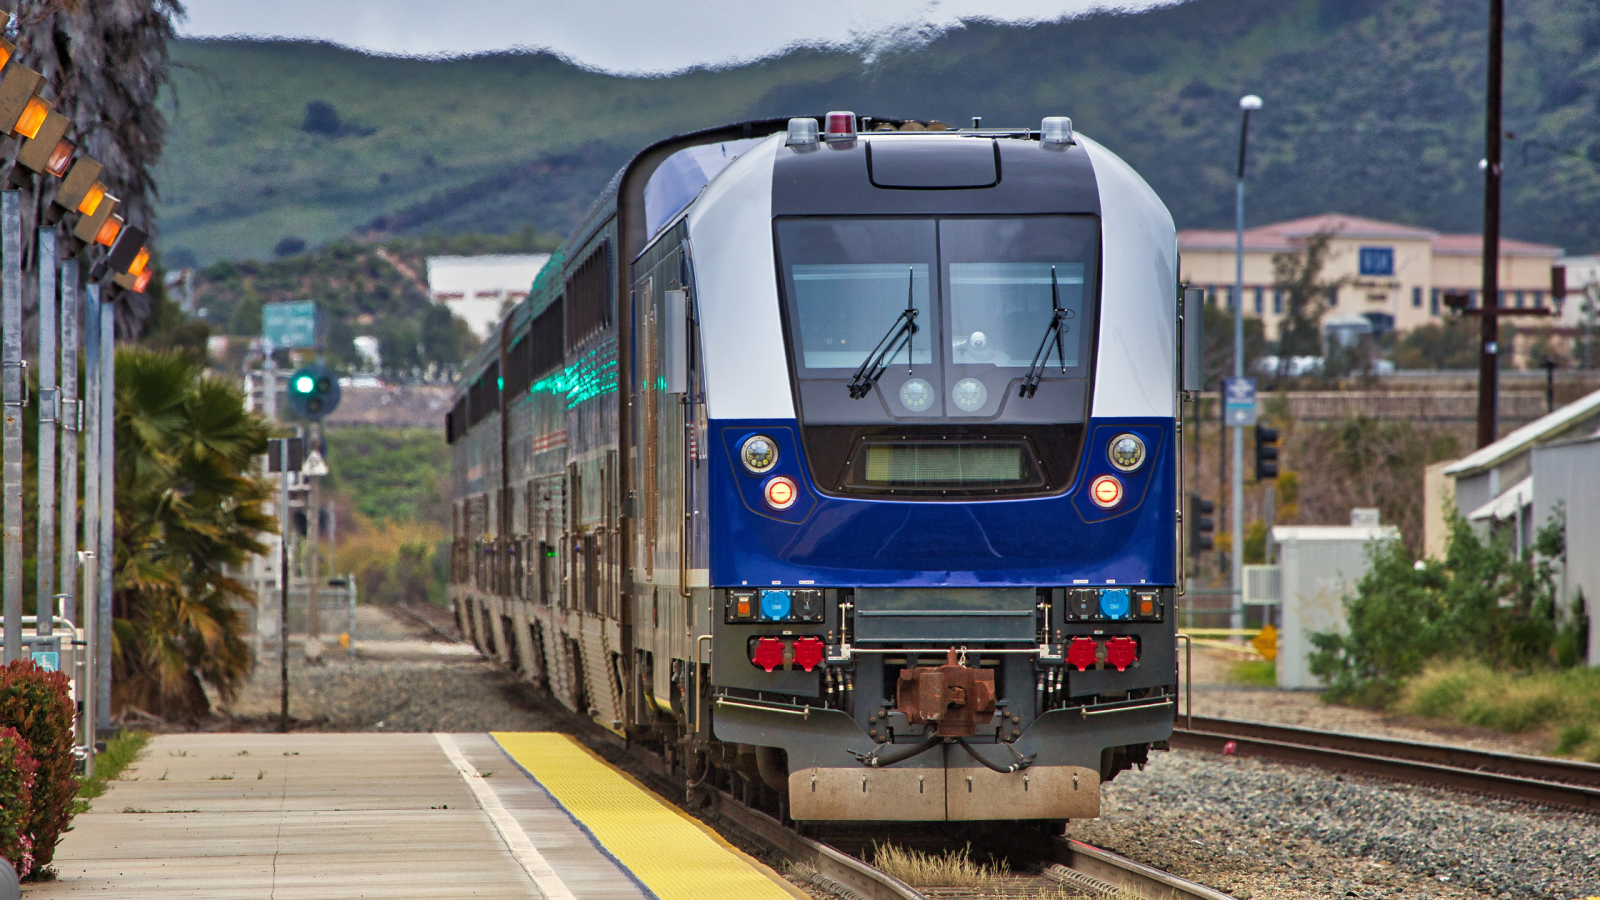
(1319, 565)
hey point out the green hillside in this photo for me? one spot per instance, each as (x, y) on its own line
(1372, 107)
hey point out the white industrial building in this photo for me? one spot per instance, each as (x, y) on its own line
(1518, 482)
(481, 289)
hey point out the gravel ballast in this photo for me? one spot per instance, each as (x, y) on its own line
(1266, 830)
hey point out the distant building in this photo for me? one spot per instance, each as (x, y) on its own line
(1393, 275)
(480, 289)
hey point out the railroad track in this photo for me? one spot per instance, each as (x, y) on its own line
(1540, 780)
(1072, 864)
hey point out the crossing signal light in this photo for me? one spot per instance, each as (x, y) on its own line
(1266, 453)
(314, 391)
(1201, 525)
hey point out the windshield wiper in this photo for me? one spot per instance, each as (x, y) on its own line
(877, 362)
(1058, 330)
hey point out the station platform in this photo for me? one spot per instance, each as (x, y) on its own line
(332, 816)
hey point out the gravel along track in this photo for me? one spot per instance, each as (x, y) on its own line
(1261, 830)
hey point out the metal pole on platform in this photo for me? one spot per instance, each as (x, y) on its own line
(313, 544)
(86, 687)
(91, 501)
(108, 448)
(49, 416)
(71, 424)
(15, 398)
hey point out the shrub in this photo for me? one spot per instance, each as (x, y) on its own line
(36, 704)
(17, 774)
(1482, 602)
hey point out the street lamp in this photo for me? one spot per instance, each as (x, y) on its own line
(1247, 104)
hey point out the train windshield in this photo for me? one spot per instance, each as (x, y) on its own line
(920, 324)
(929, 318)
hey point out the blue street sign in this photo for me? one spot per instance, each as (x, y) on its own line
(50, 660)
(1239, 401)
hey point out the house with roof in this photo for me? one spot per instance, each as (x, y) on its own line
(1393, 275)
(1546, 468)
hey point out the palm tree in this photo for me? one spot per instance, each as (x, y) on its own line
(188, 506)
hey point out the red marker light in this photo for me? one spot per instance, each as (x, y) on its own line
(768, 653)
(1106, 491)
(841, 126)
(1122, 652)
(808, 653)
(781, 493)
(1081, 653)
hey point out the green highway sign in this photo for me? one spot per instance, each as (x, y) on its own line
(287, 325)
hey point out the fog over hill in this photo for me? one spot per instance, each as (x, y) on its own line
(1373, 107)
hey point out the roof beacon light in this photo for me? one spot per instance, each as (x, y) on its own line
(841, 126)
(1106, 491)
(1056, 131)
(802, 132)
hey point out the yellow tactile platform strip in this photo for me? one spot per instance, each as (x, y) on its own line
(672, 854)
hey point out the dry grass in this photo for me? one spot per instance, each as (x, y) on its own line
(1563, 704)
(953, 868)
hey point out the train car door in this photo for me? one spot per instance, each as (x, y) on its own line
(667, 452)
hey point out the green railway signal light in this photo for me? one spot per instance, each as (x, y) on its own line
(314, 391)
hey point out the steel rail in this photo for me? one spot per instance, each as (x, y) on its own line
(1528, 778)
(859, 877)
(1126, 873)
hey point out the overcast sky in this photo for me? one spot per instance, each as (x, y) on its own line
(617, 35)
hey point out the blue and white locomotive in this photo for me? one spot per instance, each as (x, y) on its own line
(836, 458)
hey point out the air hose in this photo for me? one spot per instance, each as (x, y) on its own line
(871, 760)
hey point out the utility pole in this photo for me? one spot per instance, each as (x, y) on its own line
(1236, 549)
(1489, 355)
(15, 398)
(49, 415)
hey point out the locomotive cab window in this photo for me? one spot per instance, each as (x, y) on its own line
(940, 356)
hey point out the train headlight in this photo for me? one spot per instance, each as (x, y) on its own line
(781, 493)
(759, 453)
(970, 394)
(1126, 452)
(1105, 491)
(916, 395)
